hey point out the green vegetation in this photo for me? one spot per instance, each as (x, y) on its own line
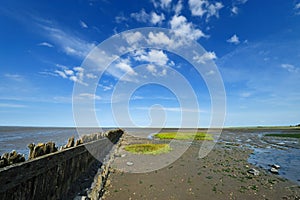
(184, 136)
(153, 149)
(291, 135)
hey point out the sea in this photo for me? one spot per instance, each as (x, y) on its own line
(18, 138)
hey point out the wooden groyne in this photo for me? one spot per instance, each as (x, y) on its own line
(51, 176)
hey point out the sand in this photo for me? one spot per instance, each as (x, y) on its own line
(220, 175)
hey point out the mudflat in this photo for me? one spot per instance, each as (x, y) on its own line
(222, 174)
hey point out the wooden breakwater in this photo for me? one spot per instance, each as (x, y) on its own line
(51, 176)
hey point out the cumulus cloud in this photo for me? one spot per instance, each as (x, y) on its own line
(133, 37)
(235, 6)
(144, 17)
(234, 39)
(76, 74)
(207, 56)
(156, 19)
(162, 3)
(153, 56)
(121, 18)
(124, 65)
(141, 16)
(178, 7)
(182, 28)
(204, 7)
(159, 38)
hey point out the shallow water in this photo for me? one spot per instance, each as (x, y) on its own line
(17, 138)
(289, 161)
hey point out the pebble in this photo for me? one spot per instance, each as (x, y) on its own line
(253, 171)
(129, 163)
(274, 170)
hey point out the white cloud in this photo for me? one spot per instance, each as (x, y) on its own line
(159, 38)
(151, 68)
(178, 7)
(91, 76)
(144, 17)
(290, 68)
(9, 105)
(213, 10)
(70, 44)
(210, 72)
(76, 74)
(15, 77)
(68, 72)
(61, 73)
(141, 16)
(90, 96)
(106, 87)
(165, 3)
(133, 37)
(83, 24)
(241, 1)
(197, 7)
(121, 18)
(235, 10)
(234, 39)
(207, 56)
(245, 94)
(297, 8)
(162, 3)
(124, 65)
(172, 109)
(182, 28)
(46, 44)
(202, 7)
(153, 56)
(157, 19)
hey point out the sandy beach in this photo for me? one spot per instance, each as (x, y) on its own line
(222, 174)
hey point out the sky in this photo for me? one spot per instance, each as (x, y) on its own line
(248, 72)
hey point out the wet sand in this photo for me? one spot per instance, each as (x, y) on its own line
(220, 175)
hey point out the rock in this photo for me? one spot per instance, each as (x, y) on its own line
(274, 170)
(129, 163)
(253, 171)
(275, 166)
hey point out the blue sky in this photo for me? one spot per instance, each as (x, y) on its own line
(255, 45)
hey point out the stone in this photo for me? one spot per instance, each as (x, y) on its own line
(275, 166)
(129, 163)
(253, 171)
(274, 170)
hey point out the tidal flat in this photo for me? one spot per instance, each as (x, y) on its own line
(223, 174)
